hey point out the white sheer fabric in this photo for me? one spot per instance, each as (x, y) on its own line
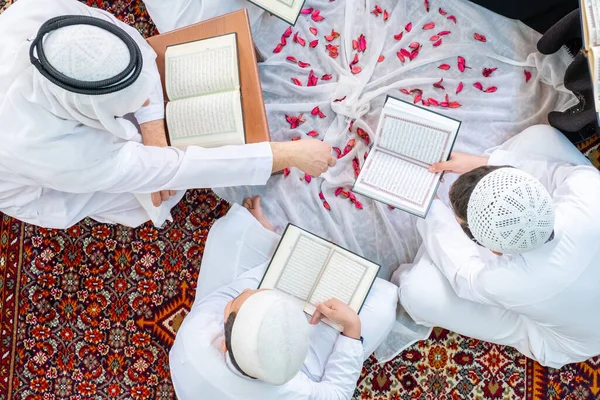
(386, 236)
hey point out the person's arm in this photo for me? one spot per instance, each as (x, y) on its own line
(457, 257)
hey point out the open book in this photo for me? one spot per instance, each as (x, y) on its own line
(408, 140)
(202, 81)
(313, 270)
(590, 22)
(287, 10)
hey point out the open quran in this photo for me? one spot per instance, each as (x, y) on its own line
(287, 10)
(203, 85)
(409, 139)
(590, 23)
(314, 270)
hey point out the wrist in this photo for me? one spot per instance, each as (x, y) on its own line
(353, 329)
(283, 155)
(153, 133)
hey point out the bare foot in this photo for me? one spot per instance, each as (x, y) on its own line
(252, 204)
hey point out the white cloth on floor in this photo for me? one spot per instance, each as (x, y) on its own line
(65, 156)
(388, 237)
(543, 302)
(235, 258)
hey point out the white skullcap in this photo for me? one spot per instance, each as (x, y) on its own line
(270, 337)
(86, 52)
(510, 211)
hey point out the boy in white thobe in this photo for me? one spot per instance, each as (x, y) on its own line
(67, 155)
(541, 298)
(235, 258)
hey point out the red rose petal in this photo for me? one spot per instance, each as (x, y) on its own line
(414, 54)
(326, 77)
(337, 151)
(418, 98)
(433, 101)
(527, 75)
(313, 44)
(459, 88)
(445, 67)
(306, 11)
(378, 9)
(399, 36)
(296, 81)
(414, 45)
(380, 59)
(487, 72)
(454, 104)
(400, 56)
(436, 44)
(428, 26)
(491, 89)
(287, 32)
(303, 64)
(278, 48)
(338, 191)
(408, 27)
(479, 37)
(405, 91)
(316, 16)
(405, 53)
(291, 59)
(307, 178)
(452, 18)
(434, 38)
(442, 12)
(356, 70)
(478, 85)
(444, 33)
(385, 15)
(286, 171)
(314, 31)
(427, 5)
(313, 133)
(438, 84)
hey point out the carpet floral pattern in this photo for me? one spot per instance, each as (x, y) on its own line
(91, 313)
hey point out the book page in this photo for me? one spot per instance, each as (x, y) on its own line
(303, 268)
(418, 141)
(287, 10)
(591, 22)
(202, 67)
(206, 121)
(341, 278)
(594, 58)
(396, 181)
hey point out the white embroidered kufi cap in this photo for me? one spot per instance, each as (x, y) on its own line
(510, 211)
(270, 337)
(86, 52)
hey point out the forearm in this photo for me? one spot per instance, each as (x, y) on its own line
(153, 133)
(282, 156)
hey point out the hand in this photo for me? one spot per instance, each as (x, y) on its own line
(311, 156)
(340, 313)
(153, 134)
(460, 163)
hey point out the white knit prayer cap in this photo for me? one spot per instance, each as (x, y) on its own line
(86, 52)
(270, 337)
(510, 211)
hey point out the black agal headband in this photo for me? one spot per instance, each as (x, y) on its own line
(118, 82)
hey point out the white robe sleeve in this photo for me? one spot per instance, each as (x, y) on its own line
(457, 257)
(155, 110)
(135, 168)
(340, 376)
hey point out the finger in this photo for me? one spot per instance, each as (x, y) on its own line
(324, 309)
(332, 303)
(172, 193)
(316, 318)
(438, 167)
(256, 201)
(332, 162)
(156, 199)
(247, 202)
(442, 179)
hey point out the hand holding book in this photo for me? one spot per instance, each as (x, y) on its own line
(459, 163)
(339, 313)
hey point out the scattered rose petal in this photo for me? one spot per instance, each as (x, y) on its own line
(303, 64)
(462, 64)
(433, 101)
(345, 193)
(454, 104)
(295, 121)
(313, 133)
(286, 171)
(414, 54)
(375, 12)
(405, 53)
(478, 85)
(358, 205)
(442, 12)
(337, 151)
(301, 42)
(527, 75)
(479, 37)
(405, 91)
(399, 36)
(356, 70)
(313, 30)
(287, 32)
(385, 15)
(329, 38)
(296, 81)
(340, 99)
(487, 72)
(315, 111)
(354, 60)
(445, 67)
(335, 34)
(459, 88)
(306, 11)
(491, 89)
(425, 102)
(327, 206)
(291, 59)
(392, 207)
(296, 138)
(428, 26)
(408, 27)
(338, 191)
(378, 9)
(427, 5)
(312, 79)
(313, 44)
(307, 178)
(354, 44)
(316, 16)
(434, 38)
(400, 56)
(414, 45)
(278, 48)
(444, 33)
(362, 43)
(321, 196)
(452, 18)
(351, 195)
(326, 77)
(438, 84)
(418, 98)
(436, 44)
(380, 59)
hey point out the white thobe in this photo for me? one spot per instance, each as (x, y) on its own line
(55, 179)
(235, 259)
(543, 302)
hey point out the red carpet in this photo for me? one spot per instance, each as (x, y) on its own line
(91, 312)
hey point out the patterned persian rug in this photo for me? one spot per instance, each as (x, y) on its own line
(91, 313)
